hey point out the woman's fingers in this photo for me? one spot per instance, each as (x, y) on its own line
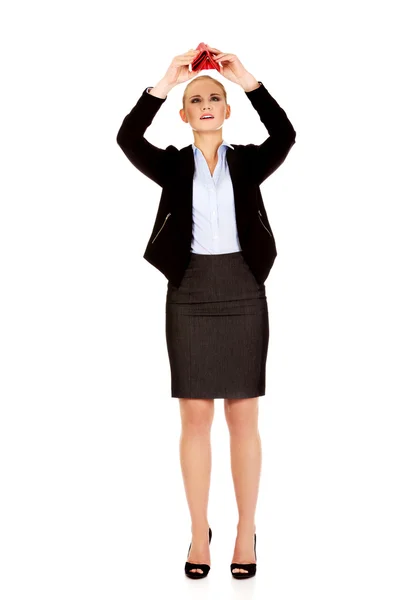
(187, 54)
(218, 55)
(185, 58)
(214, 49)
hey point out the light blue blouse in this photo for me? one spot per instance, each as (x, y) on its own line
(214, 221)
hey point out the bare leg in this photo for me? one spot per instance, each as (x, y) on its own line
(245, 446)
(195, 456)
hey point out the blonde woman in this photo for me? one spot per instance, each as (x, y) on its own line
(213, 242)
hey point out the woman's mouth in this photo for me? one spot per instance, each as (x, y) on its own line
(207, 116)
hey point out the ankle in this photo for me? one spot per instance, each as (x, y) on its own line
(200, 529)
(245, 527)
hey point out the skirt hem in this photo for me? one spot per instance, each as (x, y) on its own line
(234, 396)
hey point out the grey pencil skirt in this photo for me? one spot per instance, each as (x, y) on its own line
(217, 329)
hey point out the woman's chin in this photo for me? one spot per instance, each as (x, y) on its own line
(208, 127)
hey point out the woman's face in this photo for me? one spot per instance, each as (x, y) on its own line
(202, 98)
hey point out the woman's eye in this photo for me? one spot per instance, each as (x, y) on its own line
(212, 98)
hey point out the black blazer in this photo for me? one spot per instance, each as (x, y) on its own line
(169, 245)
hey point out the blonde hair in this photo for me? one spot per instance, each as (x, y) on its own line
(204, 77)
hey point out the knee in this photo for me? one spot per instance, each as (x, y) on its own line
(196, 414)
(241, 415)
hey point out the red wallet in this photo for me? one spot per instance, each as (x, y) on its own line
(204, 59)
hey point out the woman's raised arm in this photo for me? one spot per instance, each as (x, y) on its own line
(152, 161)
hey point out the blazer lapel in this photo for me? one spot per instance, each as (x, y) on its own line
(186, 183)
(239, 178)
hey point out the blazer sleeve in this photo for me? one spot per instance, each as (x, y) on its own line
(264, 159)
(152, 161)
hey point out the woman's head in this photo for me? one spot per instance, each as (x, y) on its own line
(205, 95)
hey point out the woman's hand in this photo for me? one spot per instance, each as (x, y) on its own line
(231, 67)
(178, 71)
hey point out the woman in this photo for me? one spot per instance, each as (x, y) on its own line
(212, 240)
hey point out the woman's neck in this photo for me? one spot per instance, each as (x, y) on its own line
(209, 146)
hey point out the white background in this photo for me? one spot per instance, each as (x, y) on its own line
(92, 504)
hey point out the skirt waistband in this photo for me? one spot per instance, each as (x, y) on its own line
(216, 278)
(216, 257)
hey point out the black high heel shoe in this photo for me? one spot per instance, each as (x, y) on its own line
(250, 567)
(205, 568)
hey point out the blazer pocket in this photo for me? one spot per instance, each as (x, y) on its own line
(261, 221)
(161, 228)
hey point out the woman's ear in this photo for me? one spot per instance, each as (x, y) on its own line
(183, 115)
